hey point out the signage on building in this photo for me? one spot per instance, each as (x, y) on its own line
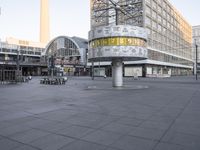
(22, 42)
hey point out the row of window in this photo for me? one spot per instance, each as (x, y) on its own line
(67, 52)
(162, 24)
(179, 50)
(167, 30)
(14, 48)
(153, 55)
(169, 15)
(22, 58)
(63, 47)
(196, 32)
(21, 52)
(166, 36)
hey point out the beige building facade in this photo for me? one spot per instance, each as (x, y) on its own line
(170, 36)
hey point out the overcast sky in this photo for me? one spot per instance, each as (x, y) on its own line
(20, 18)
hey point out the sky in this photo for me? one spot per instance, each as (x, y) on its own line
(20, 18)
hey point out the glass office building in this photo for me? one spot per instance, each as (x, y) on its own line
(169, 35)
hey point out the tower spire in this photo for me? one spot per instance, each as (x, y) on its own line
(44, 21)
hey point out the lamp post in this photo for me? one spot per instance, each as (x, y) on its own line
(17, 63)
(93, 67)
(52, 66)
(99, 65)
(196, 47)
(92, 70)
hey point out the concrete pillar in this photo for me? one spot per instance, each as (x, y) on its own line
(117, 73)
(38, 71)
(195, 69)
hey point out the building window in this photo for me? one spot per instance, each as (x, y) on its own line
(154, 36)
(172, 28)
(154, 25)
(164, 13)
(159, 28)
(154, 4)
(168, 9)
(164, 5)
(164, 22)
(159, 18)
(168, 25)
(148, 10)
(164, 30)
(148, 1)
(148, 31)
(148, 21)
(159, 1)
(154, 15)
(168, 17)
(159, 9)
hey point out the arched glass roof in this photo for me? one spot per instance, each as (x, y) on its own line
(66, 49)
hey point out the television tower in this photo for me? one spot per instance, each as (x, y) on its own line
(44, 21)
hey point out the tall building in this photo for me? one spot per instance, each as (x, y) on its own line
(169, 35)
(196, 41)
(44, 21)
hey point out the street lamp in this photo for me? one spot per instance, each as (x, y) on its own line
(18, 63)
(52, 65)
(93, 68)
(196, 48)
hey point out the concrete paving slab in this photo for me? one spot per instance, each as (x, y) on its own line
(51, 142)
(130, 121)
(52, 127)
(75, 131)
(168, 146)
(6, 144)
(130, 143)
(151, 134)
(83, 145)
(25, 147)
(29, 136)
(155, 125)
(187, 140)
(11, 130)
(118, 128)
(102, 137)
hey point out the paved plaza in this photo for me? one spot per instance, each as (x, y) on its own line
(165, 115)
